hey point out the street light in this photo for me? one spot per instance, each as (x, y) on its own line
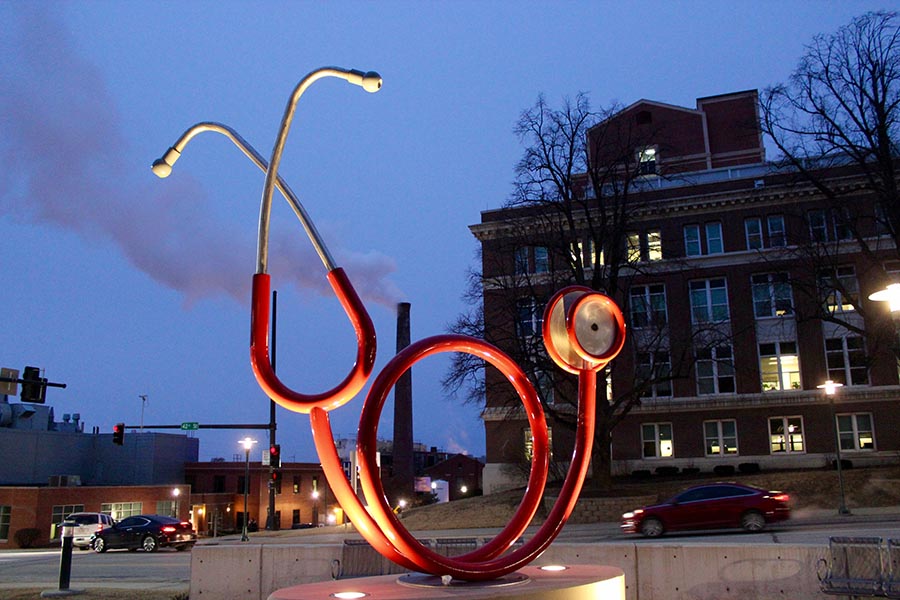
(315, 497)
(830, 388)
(247, 443)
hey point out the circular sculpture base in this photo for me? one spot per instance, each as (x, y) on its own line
(576, 582)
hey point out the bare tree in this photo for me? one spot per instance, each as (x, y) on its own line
(576, 199)
(836, 124)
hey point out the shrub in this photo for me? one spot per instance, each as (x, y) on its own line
(27, 537)
(667, 470)
(749, 468)
(845, 464)
(723, 469)
(690, 470)
(641, 473)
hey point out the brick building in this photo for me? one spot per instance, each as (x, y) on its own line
(720, 297)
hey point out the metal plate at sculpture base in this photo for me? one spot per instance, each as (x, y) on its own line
(435, 581)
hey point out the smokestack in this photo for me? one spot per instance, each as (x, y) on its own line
(403, 468)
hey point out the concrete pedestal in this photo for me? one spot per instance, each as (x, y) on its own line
(577, 582)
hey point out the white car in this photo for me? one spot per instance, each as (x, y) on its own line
(86, 525)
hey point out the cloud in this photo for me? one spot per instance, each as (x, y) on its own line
(62, 146)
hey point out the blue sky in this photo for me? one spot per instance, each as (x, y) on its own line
(121, 285)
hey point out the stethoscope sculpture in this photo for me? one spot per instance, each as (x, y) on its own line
(583, 330)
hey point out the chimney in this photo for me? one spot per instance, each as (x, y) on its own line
(403, 469)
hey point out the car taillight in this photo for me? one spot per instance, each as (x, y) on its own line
(781, 497)
(100, 528)
(168, 529)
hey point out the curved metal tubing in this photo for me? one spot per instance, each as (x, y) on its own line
(163, 167)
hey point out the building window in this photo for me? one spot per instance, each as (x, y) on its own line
(786, 434)
(529, 442)
(846, 358)
(753, 231)
(818, 225)
(655, 370)
(529, 317)
(654, 245)
(842, 221)
(779, 366)
(544, 386)
(296, 488)
(532, 259)
(522, 262)
(166, 508)
(715, 371)
(633, 247)
(656, 440)
(648, 306)
(771, 295)
(60, 511)
(709, 300)
(583, 251)
(5, 512)
(647, 161)
(720, 437)
(541, 259)
(120, 510)
(714, 238)
(838, 288)
(692, 240)
(856, 432)
(777, 236)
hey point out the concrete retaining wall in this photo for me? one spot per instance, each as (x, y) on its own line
(652, 571)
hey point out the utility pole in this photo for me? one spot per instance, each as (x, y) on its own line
(143, 398)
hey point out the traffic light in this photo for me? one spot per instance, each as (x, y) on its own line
(275, 456)
(276, 481)
(119, 434)
(34, 388)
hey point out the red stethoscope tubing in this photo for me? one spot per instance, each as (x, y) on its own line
(262, 365)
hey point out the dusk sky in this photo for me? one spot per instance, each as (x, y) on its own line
(120, 284)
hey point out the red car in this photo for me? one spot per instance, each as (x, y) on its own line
(710, 506)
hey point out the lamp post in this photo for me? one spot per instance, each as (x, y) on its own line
(830, 388)
(315, 515)
(247, 443)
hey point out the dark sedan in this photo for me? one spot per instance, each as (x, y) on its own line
(710, 506)
(149, 532)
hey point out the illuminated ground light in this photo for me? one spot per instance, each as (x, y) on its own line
(553, 568)
(349, 595)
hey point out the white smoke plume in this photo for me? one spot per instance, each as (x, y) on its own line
(62, 147)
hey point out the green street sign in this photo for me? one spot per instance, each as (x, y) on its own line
(190, 426)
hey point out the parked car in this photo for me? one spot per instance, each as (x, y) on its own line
(86, 525)
(710, 506)
(149, 532)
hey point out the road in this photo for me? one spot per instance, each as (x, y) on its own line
(170, 570)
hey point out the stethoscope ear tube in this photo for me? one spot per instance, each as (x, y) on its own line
(259, 348)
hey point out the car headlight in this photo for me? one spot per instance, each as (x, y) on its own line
(628, 515)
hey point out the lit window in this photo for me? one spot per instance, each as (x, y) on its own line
(838, 288)
(785, 434)
(715, 371)
(753, 230)
(529, 442)
(720, 437)
(846, 358)
(583, 251)
(779, 366)
(633, 247)
(656, 440)
(771, 295)
(856, 432)
(647, 161)
(654, 245)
